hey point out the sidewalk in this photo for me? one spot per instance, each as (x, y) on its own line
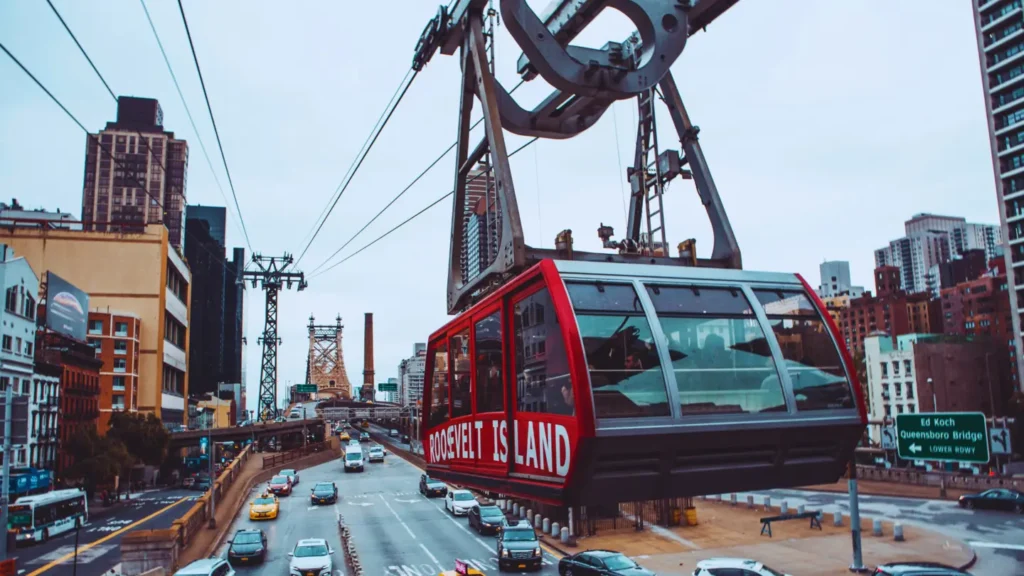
(795, 548)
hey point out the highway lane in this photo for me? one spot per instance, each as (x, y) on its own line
(99, 541)
(996, 537)
(298, 519)
(398, 532)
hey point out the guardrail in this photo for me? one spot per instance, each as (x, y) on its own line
(274, 460)
(952, 480)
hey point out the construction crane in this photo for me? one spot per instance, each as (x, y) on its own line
(586, 81)
(271, 274)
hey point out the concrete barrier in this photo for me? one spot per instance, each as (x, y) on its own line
(529, 515)
(546, 526)
(897, 532)
(750, 501)
(565, 536)
(837, 519)
(732, 499)
(767, 503)
(876, 527)
(800, 509)
(784, 508)
(555, 530)
(537, 520)
(147, 550)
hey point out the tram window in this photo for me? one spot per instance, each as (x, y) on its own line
(625, 370)
(439, 387)
(462, 397)
(720, 356)
(815, 367)
(488, 390)
(542, 370)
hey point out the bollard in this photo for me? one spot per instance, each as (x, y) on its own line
(750, 501)
(529, 515)
(515, 509)
(837, 519)
(767, 502)
(876, 527)
(897, 532)
(784, 509)
(536, 520)
(522, 511)
(555, 530)
(732, 499)
(565, 535)
(546, 526)
(800, 509)
(501, 503)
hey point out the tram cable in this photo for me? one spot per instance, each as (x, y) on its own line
(213, 121)
(414, 216)
(188, 112)
(402, 193)
(374, 134)
(99, 143)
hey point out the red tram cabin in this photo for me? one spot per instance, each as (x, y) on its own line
(589, 382)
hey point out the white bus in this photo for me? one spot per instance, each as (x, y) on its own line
(39, 517)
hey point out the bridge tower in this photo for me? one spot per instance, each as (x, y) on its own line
(325, 365)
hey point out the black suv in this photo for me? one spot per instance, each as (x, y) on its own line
(487, 519)
(430, 487)
(248, 547)
(518, 548)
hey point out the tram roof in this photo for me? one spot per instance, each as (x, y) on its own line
(667, 272)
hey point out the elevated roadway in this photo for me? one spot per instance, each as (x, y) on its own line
(239, 433)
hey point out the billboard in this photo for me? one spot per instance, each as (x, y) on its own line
(67, 307)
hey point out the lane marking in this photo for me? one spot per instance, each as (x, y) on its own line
(432, 557)
(397, 517)
(85, 547)
(997, 545)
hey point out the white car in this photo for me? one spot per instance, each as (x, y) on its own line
(377, 454)
(207, 567)
(738, 566)
(291, 473)
(311, 557)
(459, 502)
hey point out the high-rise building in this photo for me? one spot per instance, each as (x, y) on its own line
(144, 153)
(480, 221)
(410, 375)
(1000, 29)
(234, 322)
(215, 218)
(835, 280)
(205, 256)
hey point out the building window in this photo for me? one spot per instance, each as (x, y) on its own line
(17, 345)
(30, 307)
(120, 347)
(28, 348)
(120, 365)
(461, 396)
(117, 403)
(899, 408)
(895, 367)
(174, 332)
(121, 329)
(885, 370)
(910, 408)
(95, 326)
(907, 371)
(487, 342)
(542, 382)
(910, 390)
(119, 383)
(8, 343)
(11, 301)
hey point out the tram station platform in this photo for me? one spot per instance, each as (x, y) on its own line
(725, 530)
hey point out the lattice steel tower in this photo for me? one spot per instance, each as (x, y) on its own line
(272, 276)
(325, 365)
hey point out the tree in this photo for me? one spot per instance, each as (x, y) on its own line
(97, 459)
(143, 435)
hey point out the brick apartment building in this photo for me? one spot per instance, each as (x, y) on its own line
(79, 386)
(115, 337)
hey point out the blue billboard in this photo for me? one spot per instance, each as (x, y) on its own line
(67, 307)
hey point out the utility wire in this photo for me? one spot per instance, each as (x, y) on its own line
(213, 121)
(376, 125)
(94, 138)
(414, 216)
(188, 112)
(403, 88)
(81, 49)
(404, 190)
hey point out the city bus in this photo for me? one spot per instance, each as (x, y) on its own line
(39, 517)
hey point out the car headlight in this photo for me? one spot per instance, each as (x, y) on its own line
(536, 551)
(325, 571)
(504, 552)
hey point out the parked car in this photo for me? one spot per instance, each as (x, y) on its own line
(207, 567)
(714, 566)
(995, 499)
(248, 547)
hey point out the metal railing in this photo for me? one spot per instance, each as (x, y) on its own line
(280, 458)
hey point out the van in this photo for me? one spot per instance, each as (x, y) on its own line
(353, 458)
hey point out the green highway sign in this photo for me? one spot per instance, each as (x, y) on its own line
(387, 387)
(305, 388)
(948, 437)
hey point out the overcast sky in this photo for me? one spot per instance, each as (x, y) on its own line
(825, 124)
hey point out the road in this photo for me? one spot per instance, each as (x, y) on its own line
(99, 541)
(396, 531)
(997, 537)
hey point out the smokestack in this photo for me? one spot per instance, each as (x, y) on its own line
(367, 391)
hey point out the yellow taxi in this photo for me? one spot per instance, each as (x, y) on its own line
(344, 437)
(265, 507)
(462, 569)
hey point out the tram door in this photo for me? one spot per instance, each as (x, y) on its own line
(542, 400)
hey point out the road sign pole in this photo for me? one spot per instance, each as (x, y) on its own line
(858, 559)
